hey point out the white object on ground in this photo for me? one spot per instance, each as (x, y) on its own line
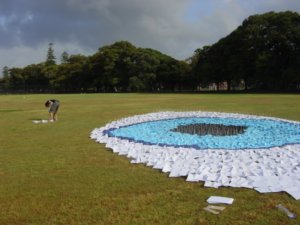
(220, 200)
(41, 121)
(293, 191)
(214, 209)
(288, 212)
(220, 208)
(265, 170)
(208, 209)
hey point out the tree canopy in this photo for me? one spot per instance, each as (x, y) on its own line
(117, 67)
(263, 53)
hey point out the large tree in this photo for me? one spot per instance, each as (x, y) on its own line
(50, 60)
(264, 52)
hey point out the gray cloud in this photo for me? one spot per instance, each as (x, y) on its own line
(175, 27)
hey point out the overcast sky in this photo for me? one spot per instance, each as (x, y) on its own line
(174, 27)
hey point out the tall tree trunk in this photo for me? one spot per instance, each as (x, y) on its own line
(228, 85)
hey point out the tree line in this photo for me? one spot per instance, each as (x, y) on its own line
(263, 53)
(118, 67)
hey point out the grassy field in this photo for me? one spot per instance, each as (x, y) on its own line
(54, 174)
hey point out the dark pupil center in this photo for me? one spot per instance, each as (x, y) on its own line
(212, 129)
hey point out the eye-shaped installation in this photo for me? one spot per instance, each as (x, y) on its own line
(221, 149)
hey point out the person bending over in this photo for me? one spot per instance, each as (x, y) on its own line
(53, 106)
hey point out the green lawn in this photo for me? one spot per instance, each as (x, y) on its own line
(55, 174)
